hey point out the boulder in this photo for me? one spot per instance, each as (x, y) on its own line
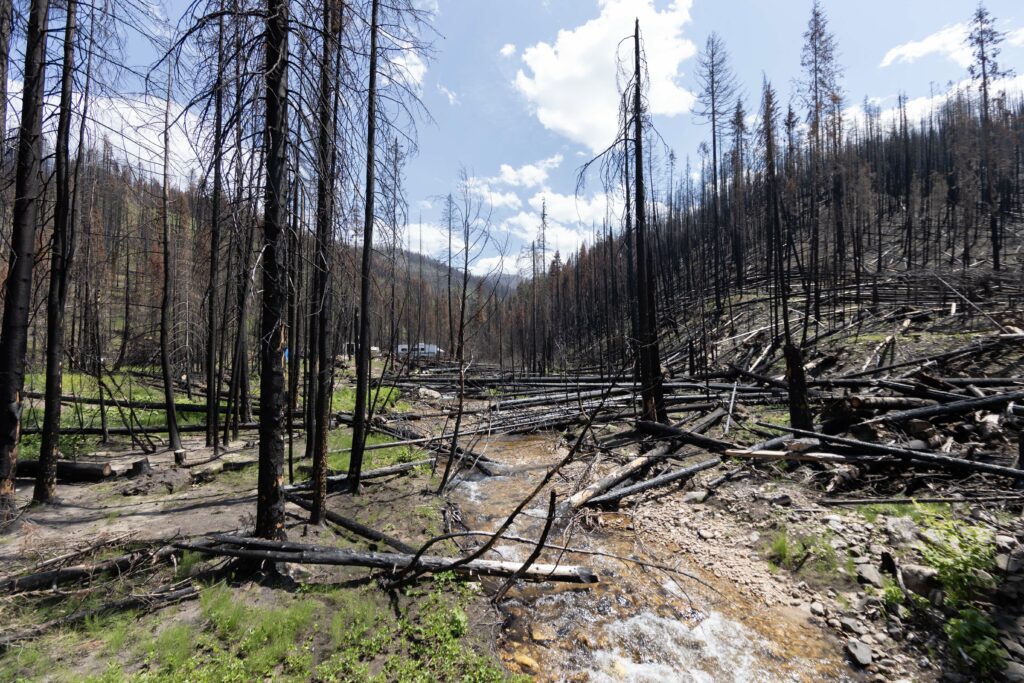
(901, 530)
(867, 573)
(920, 579)
(860, 653)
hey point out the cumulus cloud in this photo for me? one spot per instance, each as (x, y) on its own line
(528, 175)
(498, 200)
(571, 84)
(493, 265)
(919, 108)
(1016, 37)
(507, 50)
(558, 236)
(434, 239)
(950, 42)
(453, 98)
(567, 208)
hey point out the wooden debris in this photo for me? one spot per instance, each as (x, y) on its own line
(299, 553)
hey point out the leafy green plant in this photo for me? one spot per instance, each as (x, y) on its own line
(974, 640)
(892, 594)
(963, 555)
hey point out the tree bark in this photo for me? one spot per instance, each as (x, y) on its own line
(60, 255)
(365, 273)
(18, 299)
(273, 335)
(167, 298)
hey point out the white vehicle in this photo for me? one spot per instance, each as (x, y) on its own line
(420, 350)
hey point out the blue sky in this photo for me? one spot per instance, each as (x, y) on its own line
(522, 92)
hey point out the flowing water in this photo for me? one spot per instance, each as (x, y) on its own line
(637, 624)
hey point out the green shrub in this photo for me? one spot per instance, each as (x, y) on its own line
(974, 641)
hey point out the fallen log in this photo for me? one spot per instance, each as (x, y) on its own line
(687, 437)
(352, 525)
(662, 480)
(581, 497)
(888, 402)
(924, 457)
(56, 577)
(946, 409)
(337, 482)
(298, 553)
(806, 456)
(160, 598)
(69, 471)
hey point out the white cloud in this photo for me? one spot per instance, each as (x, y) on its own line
(950, 42)
(919, 108)
(525, 225)
(571, 85)
(567, 208)
(493, 265)
(406, 68)
(528, 175)
(497, 200)
(434, 238)
(1016, 37)
(453, 98)
(507, 50)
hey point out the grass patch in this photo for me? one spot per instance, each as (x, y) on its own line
(322, 633)
(809, 554)
(921, 513)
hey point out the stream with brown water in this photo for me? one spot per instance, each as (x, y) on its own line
(639, 623)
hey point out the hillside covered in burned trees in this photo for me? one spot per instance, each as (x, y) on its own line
(627, 340)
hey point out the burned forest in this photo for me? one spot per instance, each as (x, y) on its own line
(300, 381)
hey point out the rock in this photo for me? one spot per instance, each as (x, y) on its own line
(1012, 646)
(1005, 543)
(430, 394)
(526, 661)
(919, 578)
(698, 496)
(901, 530)
(853, 626)
(859, 652)
(1014, 672)
(817, 609)
(783, 499)
(705, 534)
(867, 573)
(542, 633)
(1009, 563)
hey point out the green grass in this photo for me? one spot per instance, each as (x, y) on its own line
(811, 554)
(921, 513)
(388, 399)
(326, 635)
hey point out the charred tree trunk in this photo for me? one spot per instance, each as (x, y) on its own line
(363, 344)
(18, 298)
(651, 391)
(166, 301)
(60, 256)
(273, 335)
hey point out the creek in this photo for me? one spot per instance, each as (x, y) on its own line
(639, 623)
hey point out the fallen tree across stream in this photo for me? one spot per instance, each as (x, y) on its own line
(300, 553)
